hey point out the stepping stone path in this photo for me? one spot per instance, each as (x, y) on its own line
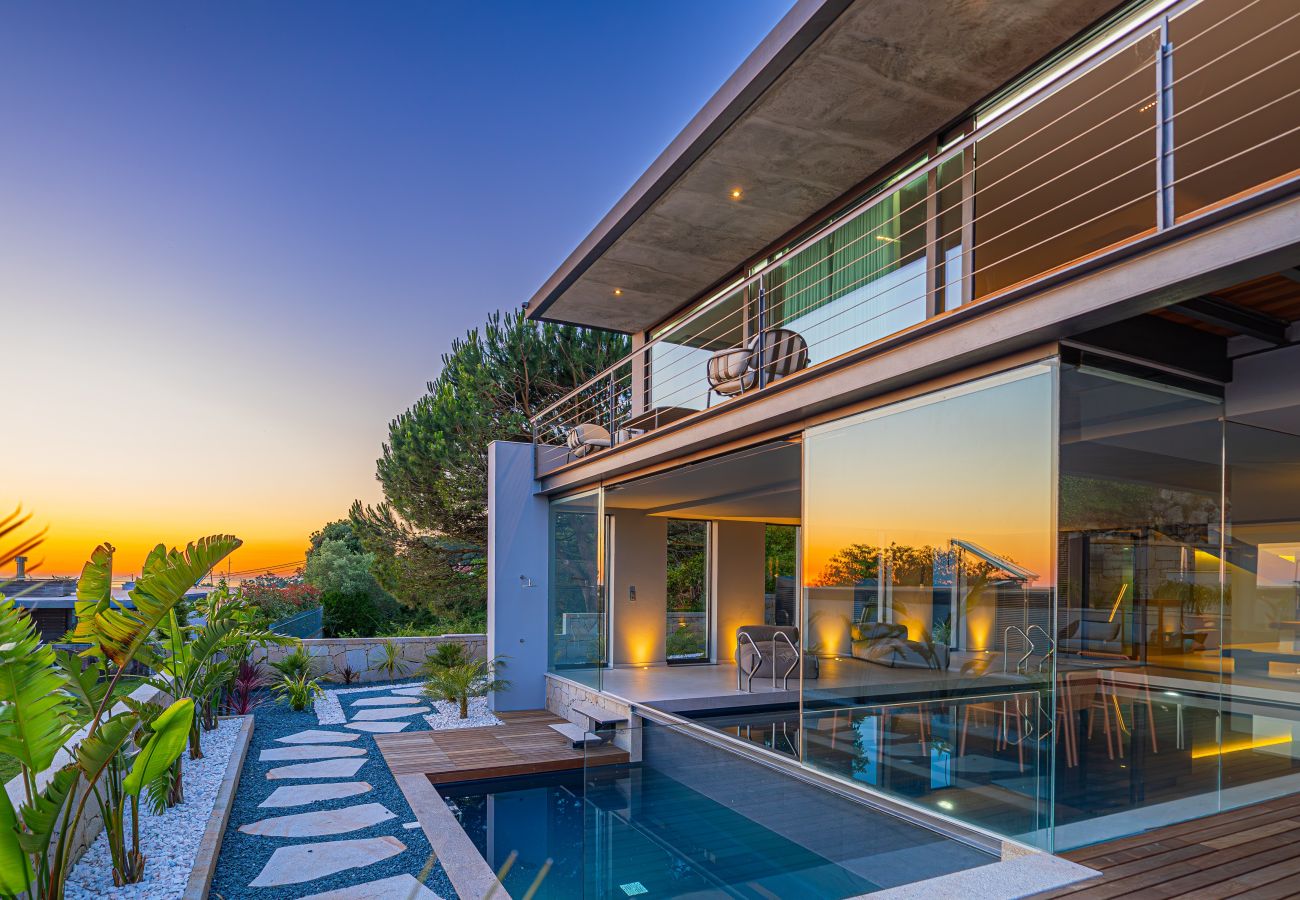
(329, 768)
(399, 887)
(326, 757)
(302, 794)
(307, 862)
(386, 701)
(314, 736)
(378, 727)
(310, 751)
(375, 715)
(322, 822)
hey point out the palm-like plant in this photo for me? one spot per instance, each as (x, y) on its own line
(37, 711)
(457, 684)
(391, 662)
(297, 690)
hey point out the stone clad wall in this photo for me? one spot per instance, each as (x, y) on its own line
(562, 694)
(330, 655)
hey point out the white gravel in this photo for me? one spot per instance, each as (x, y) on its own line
(447, 715)
(169, 841)
(328, 709)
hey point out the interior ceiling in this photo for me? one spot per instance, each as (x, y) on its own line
(758, 485)
(881, 78)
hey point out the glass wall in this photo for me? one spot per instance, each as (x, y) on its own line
(1140, 636)
(780, 554)
(576, 590)
(928, 572)
(686, 635)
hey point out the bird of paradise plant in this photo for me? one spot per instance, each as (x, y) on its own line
(37, 713)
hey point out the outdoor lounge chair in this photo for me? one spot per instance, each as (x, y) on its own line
(775, 353)
(587, 437)
(770, 651)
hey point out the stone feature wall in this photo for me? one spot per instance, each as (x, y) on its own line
(331, 655)
(562, 694)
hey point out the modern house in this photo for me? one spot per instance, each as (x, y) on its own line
(956, 462)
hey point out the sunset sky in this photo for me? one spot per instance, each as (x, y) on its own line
(236, 237)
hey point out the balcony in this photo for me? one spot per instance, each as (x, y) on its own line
(1167, 117)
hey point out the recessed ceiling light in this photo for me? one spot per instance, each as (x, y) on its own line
(735, 193)
(618, 292)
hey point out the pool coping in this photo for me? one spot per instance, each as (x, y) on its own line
(205, 859)
(1009, 879)
(466, 868)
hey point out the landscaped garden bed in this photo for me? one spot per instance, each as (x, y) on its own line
(172, 836)
(318, 810)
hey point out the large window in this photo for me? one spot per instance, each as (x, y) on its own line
(686, 635)
(928, 568)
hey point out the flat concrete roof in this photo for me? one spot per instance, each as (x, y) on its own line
(838, 90)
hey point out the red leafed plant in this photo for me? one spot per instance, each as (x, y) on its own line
(246, 692)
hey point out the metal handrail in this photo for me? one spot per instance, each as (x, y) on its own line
(1023, 634)
(749, 686)
(798, 658)
(1051, 643)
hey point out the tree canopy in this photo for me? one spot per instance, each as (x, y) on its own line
(434, 464)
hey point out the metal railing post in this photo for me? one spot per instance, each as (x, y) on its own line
(1164, 129)
(761, 378)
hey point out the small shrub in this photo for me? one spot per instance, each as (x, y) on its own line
(245, 693)
(295, 665)
(446, 656)
(458, 684)
(391, 663)
(298, 691)
(347, 674)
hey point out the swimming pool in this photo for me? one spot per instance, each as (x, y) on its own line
(693, 820)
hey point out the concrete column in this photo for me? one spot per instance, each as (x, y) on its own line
(518, 566)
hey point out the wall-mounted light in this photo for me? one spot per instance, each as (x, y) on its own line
(618, 292)
(526, 582)
(735, 193)
(631, 593)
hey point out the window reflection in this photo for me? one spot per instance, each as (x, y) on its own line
(575, 592)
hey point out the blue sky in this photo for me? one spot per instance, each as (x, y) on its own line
(236, 237)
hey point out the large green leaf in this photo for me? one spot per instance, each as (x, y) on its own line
(98, 748)
(95, 586)
(167, 575)
(171, 732)
(15, 867)
(35, 713)
(42, 815)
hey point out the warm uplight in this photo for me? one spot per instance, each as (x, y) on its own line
(1248, 744)
(946, 804)
(735, 193)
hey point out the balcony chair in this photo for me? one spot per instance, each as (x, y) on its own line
(730, 372)
(585, 438)
(770, 651)
(781, 351)
(736, 370)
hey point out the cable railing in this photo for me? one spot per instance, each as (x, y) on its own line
(1072, 174)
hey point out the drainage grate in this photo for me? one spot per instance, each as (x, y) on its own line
(633, 888)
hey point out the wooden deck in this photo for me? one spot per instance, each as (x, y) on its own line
(524, 745)
(1252, 852)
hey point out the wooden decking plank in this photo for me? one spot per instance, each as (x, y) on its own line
(525, 744)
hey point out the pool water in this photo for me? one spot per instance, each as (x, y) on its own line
(618, 831)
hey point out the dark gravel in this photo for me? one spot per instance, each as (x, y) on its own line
(243, 856)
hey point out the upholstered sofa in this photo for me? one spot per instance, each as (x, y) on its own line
(888, 645)
(762, 653)
(1092, 632)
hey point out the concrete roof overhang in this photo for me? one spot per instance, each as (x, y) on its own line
(837, 91)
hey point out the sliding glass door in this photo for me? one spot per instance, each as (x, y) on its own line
(576, 587)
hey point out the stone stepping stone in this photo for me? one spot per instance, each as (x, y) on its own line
(386, 701)
(327, 768)
(309, 751)
(320, 822)
(376, 715)
(399, 887)
(415, 691)
(301, 794)
(307, 862)
(316, 736)
(378, 727)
